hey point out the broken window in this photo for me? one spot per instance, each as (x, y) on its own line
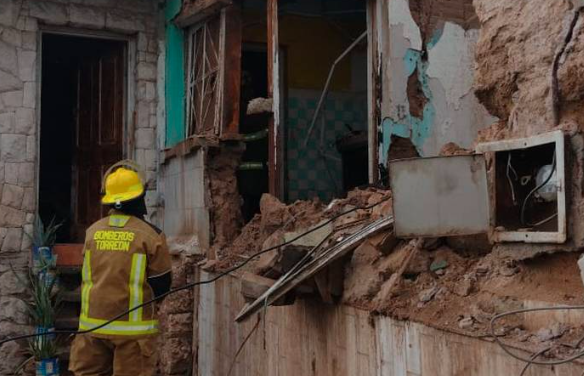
(204, 77)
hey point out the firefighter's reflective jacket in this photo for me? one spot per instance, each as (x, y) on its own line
(121, 252)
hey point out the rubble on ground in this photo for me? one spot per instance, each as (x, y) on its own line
(456, 285)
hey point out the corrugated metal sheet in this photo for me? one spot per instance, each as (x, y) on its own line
(440, 196)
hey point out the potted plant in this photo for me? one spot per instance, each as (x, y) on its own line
(43, 239)
(42, 308)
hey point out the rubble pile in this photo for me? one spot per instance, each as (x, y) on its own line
(456, 283)
(269, 228)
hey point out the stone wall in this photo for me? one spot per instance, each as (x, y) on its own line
(20, 23)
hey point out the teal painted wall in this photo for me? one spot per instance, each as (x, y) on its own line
(175, 76)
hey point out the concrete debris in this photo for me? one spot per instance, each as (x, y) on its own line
(278, 222)
(466, 323)
(554, 331)
(428, 294)
(464, 288)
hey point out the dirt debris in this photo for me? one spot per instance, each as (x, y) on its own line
(267, 229)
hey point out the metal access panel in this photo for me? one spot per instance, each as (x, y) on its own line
(440, 196)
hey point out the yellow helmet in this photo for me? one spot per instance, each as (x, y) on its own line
(122, 183)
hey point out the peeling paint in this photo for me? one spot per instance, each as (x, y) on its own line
(455, 75)
(451, 112)
(399, 13)
(406, 125)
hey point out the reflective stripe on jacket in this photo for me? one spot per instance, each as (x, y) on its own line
(120, 253)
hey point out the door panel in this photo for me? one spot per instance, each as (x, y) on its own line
(99, 129)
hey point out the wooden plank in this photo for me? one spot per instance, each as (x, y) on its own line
(291, 280)
(274, 152)
(193, 12)
(232, 71)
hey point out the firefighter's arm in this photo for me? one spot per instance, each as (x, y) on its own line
(159, 267)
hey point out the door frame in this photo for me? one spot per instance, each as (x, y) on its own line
(130, 86)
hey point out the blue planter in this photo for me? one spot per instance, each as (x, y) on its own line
(41, 254)
(47, 367)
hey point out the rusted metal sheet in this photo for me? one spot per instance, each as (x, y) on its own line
(301, 273)
(440, 196)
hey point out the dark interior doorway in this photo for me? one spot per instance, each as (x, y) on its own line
(83, 99)
(253, 174)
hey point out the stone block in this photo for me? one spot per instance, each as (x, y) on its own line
(84, 16)
(26, 240)
(29, 97)
(146, 71)
(13, 309)
(11, 173)
(153, 45)
(12, 354)
(150, 159)
(9, 82)
(48, 12)
(29, 40)
(176, 356)
(153, 121)
(9, 13)
(31, 148)
(9, 61)
(10, 217)
(12, 98)
(176, 324)
(12, 147)
(12, 37)
(143, 114)
(13, 282)
(7, 122)
(124, 22)
(12, 196)
(12, 240)
(180, 302)
(26, 65)
(146, 138)
(29, 200)
(146, 90)
(9, 329)
(26, 174)
(25, 121)
(142, 42)
(2, 169)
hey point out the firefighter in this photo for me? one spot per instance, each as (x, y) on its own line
(126, 262)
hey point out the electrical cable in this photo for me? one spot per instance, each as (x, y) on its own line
(537, 188)
(533, 357)
(529, 360)
(193, 284)
(510, 168)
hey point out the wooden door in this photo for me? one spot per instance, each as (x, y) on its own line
(99, 129)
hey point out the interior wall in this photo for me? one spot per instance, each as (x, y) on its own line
(310, 45)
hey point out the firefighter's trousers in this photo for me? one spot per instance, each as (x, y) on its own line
(93, 356)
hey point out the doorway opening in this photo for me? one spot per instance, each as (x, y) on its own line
(83, 96)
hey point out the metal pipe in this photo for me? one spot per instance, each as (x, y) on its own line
(328, 82)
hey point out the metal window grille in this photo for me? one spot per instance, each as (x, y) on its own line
(204, 77)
